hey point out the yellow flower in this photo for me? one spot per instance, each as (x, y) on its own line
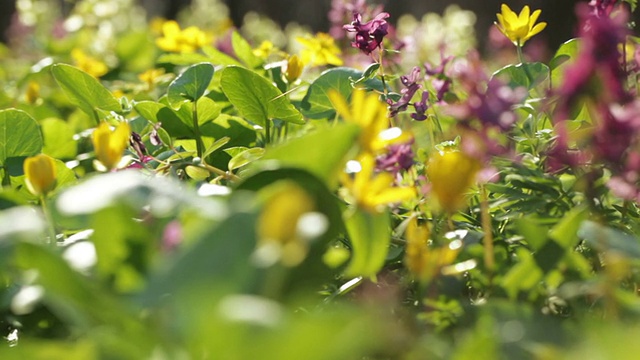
(294, 68)
(320, 50)
(277, 226)
(151, 76)
(40, 172)
(451, 174)
(188, 40)
(88, 64)
(519, 28)
(370, 114)
(425, 262)
(33, 92)
(265, 49)
(372, 192)
(110, 145)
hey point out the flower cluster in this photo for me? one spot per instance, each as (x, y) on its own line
(369, 35)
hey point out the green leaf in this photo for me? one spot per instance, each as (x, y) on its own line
(256, 98)
(605, 238)
(310, 152)
(197, 173)
(84, 90)
(171, 121)
(245, 157)
(528, 75)
(58, 139)
(316, 103)
(216, 145)
(190, 85)
(20, 135)
(218, 57)
(243, 51)
(565, 233)
(369, 237)
(182, 59)
(566, 53)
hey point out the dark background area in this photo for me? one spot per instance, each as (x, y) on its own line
(559, 14)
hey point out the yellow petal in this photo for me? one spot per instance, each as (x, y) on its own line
(340, 104)
(524, 15)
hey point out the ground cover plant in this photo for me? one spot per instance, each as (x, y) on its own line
(194, 190)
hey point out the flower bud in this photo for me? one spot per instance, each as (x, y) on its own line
(40, 172)
(451, 174)
(294, 68)
(110, 145)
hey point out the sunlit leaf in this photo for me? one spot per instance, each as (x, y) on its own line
(84, 90)
(257, 99)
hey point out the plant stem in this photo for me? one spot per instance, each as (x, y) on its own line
(49, 219)
(520, 56)
(489, 257)
(196, 130)
(226, 174)
(267, 132)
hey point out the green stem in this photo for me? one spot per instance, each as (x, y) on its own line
(49, 219)
(489, 257)
(196, 130)
(520, 55)
(227, 175)
(267, 132)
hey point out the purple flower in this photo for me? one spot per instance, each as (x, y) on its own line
(411, 86)
(398, 157)
(601, 8)
(597, 63)
(493, 107)
(421, 107)
(369, 35)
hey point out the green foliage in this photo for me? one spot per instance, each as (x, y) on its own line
(256, 98)
(84, 90)
(253, 218)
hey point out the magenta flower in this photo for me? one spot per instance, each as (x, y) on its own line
(601, 8)
(411, 86)
(369, 35)
(398, 157)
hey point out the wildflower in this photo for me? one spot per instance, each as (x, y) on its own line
(368, 112)
(398, 157)
(265, 49)
(32, 93)
(294, 68)
(421, 107)
(425, 262)
(320, 50)
(88, 64)
(40, 172)
(602, 8)
(451, 174)
(151, 76)
(372, 192)
(110, 145)
(519, 28)
(411, 86)
(369, 35)
(277, 226)
(188, 40)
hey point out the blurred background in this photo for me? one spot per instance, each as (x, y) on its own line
(313, 13)
(558, 13)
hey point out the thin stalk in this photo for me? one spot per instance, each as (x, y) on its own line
(196, 130)
(267, 132)
(226, 174)
(49, 219)
(489, 257)
(520, 55)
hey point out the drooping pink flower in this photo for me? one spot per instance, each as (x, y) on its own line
(369, 35)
